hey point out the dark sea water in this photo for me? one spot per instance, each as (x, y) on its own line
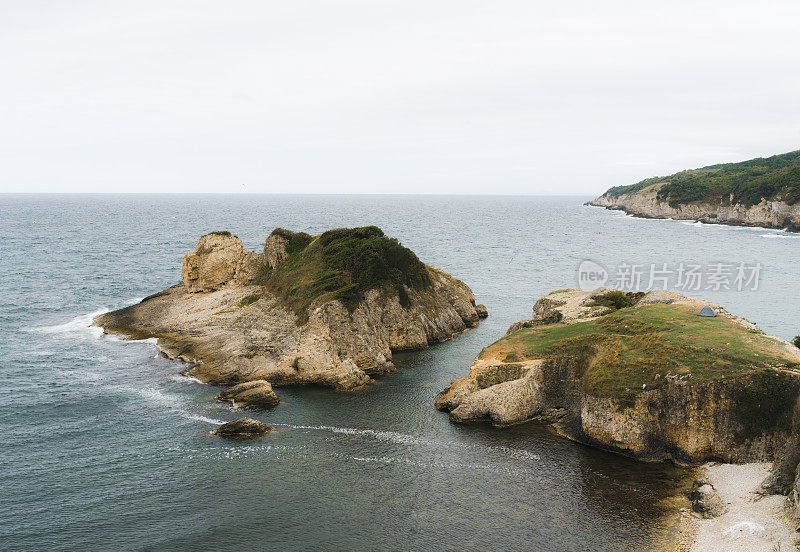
(105, 446)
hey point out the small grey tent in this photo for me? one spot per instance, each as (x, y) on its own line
(707, 311)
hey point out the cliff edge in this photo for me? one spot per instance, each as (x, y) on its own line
(639, 374)
(762, 192)
(326, 310)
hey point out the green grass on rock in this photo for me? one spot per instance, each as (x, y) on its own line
(343, 264)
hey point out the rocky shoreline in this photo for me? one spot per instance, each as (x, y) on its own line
(741, 517)
(682, 414)
(664, 410)
(645, 203)
(232, 321)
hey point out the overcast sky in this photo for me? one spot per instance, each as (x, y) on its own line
(375, 96)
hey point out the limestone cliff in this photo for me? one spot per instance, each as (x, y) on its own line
(757, 192)
(646, 203)
(639, 374)
(326, 310)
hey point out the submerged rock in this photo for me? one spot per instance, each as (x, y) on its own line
(251, 394)
(640, 375)
(243, 428)
(325, 310)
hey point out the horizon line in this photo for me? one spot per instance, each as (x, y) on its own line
(570, 194)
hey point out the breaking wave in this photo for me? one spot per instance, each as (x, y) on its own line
(168, 401)
(79, 324)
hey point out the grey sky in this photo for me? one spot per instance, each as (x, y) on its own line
(416, 96)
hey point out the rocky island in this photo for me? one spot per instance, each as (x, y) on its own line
(639, 374)
(760, 192)
(643, 375)
(326, 310)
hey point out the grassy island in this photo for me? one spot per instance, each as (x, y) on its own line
(642, 375)
(638, 348)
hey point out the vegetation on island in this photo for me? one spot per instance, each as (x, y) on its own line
(638, 348)
(343, 264)
(220, 233)
(616, 300)
(747, 182)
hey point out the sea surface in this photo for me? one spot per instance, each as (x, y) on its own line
(106, 446)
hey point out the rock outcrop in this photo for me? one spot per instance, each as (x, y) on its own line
(243, 428)
(646, 203)
(653, 380)
(218, 259)
(327, 310)
(250, 394)
(705, 500)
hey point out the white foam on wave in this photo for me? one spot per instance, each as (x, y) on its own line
(116, 338)
(391, 436)
(83, 324)
(151, 394)
(200, 418)
(181, 378)
(169, 401)
(79, 324)
(778, 236)
(404, 439)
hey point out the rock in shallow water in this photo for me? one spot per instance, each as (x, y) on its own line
(251, 394)
(243, 428)
(481, 310)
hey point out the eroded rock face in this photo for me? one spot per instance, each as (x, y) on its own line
(251, 394)
(218, 259)
(275, 247)
(679, 420)
(645, 203)
(233, 330)
(243, 428)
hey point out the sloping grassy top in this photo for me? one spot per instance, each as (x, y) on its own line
(343, 264)
(642, 345)
(748, 181)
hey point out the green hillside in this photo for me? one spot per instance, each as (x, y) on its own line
(749, 182)
(343, 264)
(641, 347)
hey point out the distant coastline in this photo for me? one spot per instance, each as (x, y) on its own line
(640, 206)
(762, 192)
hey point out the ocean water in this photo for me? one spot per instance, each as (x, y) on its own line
(105, 446)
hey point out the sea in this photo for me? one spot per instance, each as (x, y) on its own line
(105, 445)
